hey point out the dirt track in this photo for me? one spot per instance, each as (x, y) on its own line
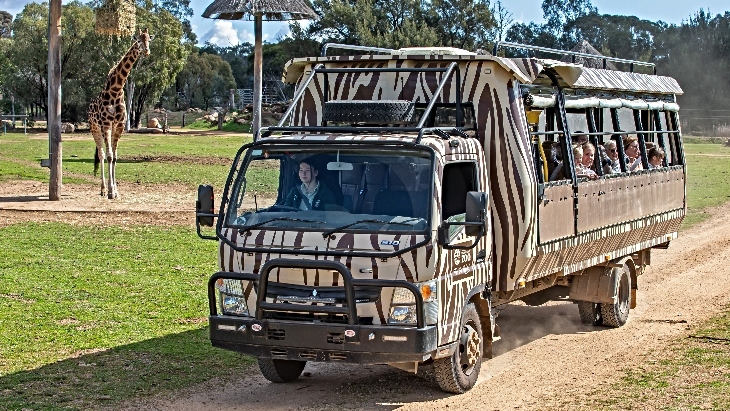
(545, 360)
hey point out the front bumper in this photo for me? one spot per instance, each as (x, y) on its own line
(265, 337)
(362, 344)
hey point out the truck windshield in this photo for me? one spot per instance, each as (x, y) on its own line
(332, 190)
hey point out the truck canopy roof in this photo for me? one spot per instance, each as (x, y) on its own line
(525, 70)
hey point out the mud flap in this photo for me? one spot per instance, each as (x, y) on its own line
(596, 285)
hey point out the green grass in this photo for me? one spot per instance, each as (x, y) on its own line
(147, 159)
(96, 314)
(694, 373)
(708, 179)
(229, 126)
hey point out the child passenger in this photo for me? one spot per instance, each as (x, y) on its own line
(656, 157)
(586, 161)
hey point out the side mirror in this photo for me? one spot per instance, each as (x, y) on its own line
(205, 206)
(476, 212)
(474, 221)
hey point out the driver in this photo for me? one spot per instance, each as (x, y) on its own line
(310, 195)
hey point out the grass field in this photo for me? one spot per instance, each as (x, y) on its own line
(90, 316)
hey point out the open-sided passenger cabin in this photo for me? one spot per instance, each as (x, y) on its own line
(515, 108)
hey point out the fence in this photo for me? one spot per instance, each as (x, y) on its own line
(699, 122)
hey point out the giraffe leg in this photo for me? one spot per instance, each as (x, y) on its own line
(109, 158)
(116, 134)
(98, 140)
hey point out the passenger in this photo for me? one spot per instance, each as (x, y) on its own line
(586, 161)
(310, 195)
(633, 155)
(611, 149)
(656, 157)
(579, 137)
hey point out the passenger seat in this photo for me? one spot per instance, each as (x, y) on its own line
(353, 187)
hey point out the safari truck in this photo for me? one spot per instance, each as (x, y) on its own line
(437, 165)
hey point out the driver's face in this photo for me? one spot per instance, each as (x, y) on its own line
(306, 174)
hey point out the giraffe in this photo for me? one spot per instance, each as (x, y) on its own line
(108, 114)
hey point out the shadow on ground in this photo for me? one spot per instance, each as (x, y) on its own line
(136, 373)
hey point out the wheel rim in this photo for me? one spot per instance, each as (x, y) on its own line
(623, 294)
(469, 349)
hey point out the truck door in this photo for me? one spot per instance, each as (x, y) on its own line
(457, 265)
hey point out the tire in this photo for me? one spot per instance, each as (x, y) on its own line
(368, 112)
(616, 314)
(459, 372)
(281, 370)
(590, 313)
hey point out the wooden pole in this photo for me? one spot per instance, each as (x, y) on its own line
(257, 70)
(54, 99)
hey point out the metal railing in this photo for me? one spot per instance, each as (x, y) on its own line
(573, 54)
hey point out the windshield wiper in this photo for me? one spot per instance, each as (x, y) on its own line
(340, 228)
(252, 226)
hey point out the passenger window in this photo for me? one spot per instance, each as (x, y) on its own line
(458, 179)
(445, 116)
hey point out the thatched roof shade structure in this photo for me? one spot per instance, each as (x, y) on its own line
(586, 48)
(259, 10)
(270, 10)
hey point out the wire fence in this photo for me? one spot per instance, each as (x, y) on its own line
(710, 123)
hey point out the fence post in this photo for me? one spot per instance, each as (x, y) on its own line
(183, 120)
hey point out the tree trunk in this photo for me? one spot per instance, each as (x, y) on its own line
(130, 98)
(54, 100)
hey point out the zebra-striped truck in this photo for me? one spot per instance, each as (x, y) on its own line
(407, 194)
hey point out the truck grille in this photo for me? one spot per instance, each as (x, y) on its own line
(276, 334)
(336, 338)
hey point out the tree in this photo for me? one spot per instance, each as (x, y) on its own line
(557, 13)
(6, 24)
(155, 73)
(696, 54)
(503, 20)
(205, 78)
(83, 55)
(464, 24)
(618, 36)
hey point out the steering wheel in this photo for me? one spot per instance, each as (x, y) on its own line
(282, 207)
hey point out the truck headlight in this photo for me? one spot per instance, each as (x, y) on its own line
(231, 296)
(403, 305)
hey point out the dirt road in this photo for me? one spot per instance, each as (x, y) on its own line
(545, 360)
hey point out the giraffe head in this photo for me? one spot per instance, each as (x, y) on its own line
(143, 41)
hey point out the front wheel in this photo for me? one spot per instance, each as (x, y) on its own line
(281, 370)
(459, 372)
(616, 314)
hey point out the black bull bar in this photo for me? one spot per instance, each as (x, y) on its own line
(349, 309)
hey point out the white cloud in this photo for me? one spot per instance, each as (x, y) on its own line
(224, 34)
(221, 34)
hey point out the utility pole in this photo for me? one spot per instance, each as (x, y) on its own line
(54, 99)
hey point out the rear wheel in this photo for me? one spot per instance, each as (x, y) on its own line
(459, 372)
(281, 370)
(590, 313)
(616, 314)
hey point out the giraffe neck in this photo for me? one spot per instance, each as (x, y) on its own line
(118, 74)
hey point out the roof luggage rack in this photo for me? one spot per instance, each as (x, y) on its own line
(573, 54)
(444, 132)
(354, 48)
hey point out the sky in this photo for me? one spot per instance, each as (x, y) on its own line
(227, 33)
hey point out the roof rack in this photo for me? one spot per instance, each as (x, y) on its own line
(355, 48)
(573, 54)
(449, 71)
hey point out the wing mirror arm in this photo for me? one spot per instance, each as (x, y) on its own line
(204, 210)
